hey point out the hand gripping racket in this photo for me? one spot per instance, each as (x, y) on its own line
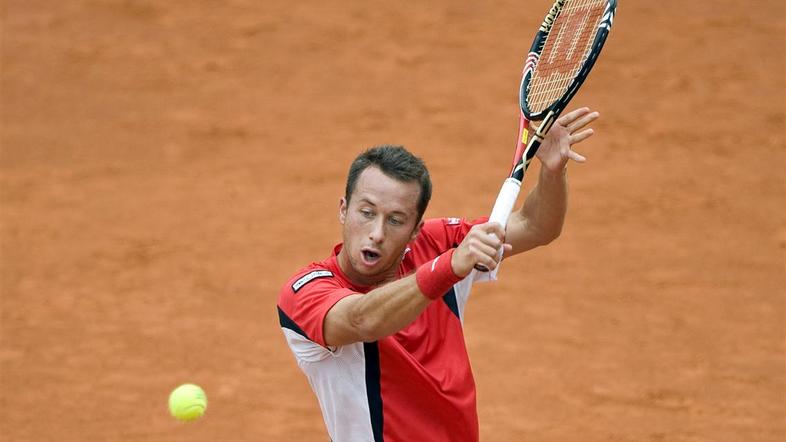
(564, 50)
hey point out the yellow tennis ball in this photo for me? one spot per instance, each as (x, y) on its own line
(187, 402)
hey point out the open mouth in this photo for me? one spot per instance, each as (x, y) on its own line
(370, 256)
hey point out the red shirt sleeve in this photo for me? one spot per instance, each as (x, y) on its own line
(445, 233)
(304, 305)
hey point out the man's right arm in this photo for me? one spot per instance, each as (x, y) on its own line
(391, 307)
(379, 313)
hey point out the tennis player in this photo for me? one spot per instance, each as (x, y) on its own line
(377, 325)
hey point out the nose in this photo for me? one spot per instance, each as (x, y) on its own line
(377, 233)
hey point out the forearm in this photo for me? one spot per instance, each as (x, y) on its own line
(391, 307)
(387, 309)
(376, 314)
(549, 203)
(540, 219)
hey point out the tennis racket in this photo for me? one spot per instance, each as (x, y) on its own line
(564, 50)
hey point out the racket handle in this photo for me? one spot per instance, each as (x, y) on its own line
(506, 199)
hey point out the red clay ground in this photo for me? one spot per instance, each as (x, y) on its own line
(166, 165)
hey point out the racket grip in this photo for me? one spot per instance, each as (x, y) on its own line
(506, 199)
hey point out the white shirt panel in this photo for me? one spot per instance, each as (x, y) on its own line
(339, 381)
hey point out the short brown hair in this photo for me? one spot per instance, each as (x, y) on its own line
(396, 162)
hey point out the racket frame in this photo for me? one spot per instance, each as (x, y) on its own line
(527, 148)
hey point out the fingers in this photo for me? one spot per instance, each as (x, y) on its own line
(582, 122)
(578, 120)
(577, 157)
(572, 116)
(492, 228)
(485, 256)
(485, 249)
(581, 136)
(481, 246)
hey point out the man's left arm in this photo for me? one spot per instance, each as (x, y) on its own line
(540, 219)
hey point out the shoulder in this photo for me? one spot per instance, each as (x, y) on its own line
(437, 236)
(447, 232)
(306, 298)
(301, 279)
(307, 278)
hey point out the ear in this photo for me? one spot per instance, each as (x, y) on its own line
(342, 210)
(416, 232)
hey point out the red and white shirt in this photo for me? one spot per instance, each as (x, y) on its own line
(415, 385)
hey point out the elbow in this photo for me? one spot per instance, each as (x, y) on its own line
(547, 237)
(554, 235)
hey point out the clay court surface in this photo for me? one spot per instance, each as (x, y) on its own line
(167, 165)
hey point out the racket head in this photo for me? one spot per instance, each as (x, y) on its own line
(562, 54)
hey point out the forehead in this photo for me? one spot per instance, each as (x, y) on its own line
(386, 192)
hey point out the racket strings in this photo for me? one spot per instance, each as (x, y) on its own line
(565, 51)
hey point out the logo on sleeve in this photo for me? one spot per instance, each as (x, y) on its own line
(305, 279)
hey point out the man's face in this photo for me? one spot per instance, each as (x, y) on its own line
(379, 220)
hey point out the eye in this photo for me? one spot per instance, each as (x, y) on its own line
(367, 213)
(395, 221)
